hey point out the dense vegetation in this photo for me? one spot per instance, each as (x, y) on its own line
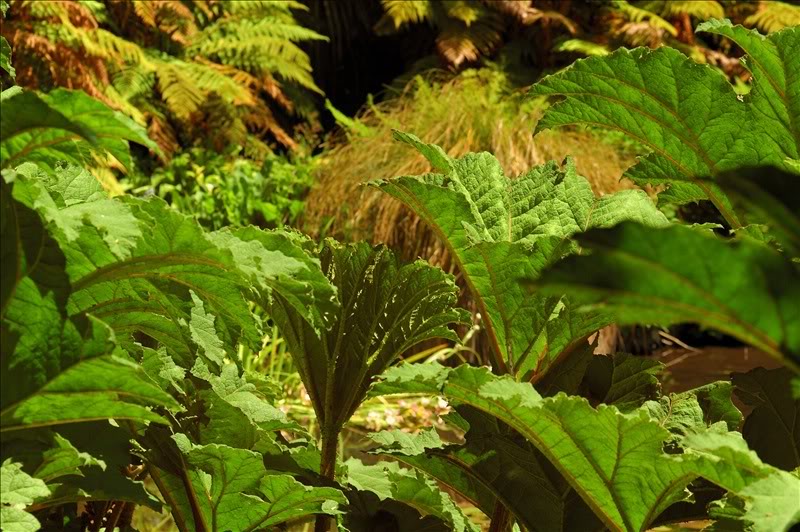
(173, 349)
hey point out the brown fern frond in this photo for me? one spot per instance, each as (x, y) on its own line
(521, 10)
(458, 43)
(172, 17)
(163, 134)
(261, 120)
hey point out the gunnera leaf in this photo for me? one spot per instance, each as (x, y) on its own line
(771, 429)
(688, 115)
(614, 461)
(503, 231)
(18, 490)
(672, 275)
(384, 307)
(217, 487)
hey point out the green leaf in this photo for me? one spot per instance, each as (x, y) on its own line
(771, 429)
(53, 364)
(283, 262)
(503, 231)
(687, 115)
(201, 326)
(771, 195)
(652, 275)
(768, 495)
(399, 442)
(290, 499)
(693, 410)
(229, 489)
(774, 101)
(5, 58)
(383, 309)
(623, 380)
(614, 461)
(64, 126)
(79, 463)
(388, 480)
(496, 464)
(18, 490)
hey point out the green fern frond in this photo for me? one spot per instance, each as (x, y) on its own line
(774, 16)
(403, 12)
(466, 12)
(133, 82)
(638, 15)
(698, 9)
(178, 90)
(261, 8)
(580, 46)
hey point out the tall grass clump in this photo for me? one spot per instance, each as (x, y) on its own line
(477, 110)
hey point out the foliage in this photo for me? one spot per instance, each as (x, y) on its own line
(383, 309)
(500, 231)
(479, 110)
(469, 30)
(219, 190)
(688, 117)
(192, 72)
(123, 321)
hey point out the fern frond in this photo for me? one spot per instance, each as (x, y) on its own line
(466, 12)
(399, 13)
(133, 81)
(698, 9)
(538, 15)
(76, 13)
(171, 17)
(178, 90)
(458, 43)
(522, 10)
(580, 46)
(261, 8)
(774, 16)
(638, 15)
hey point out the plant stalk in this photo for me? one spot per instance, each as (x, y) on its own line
(501, 518)
(327, 470)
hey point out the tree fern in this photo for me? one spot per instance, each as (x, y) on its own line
(774, 16)
(183, 53)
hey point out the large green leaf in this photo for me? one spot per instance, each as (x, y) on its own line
(766, 496)
(388, 480)
(502, 231)
(217, 487)
(144, 268)
(687, 115)
(677, 274)
(383, 309)
(495, 464)
(622, 380)
(614, 461)
(18, 490)
(771, 196)
(64, 126)
(79, 463)
(57, 368)
(5, 58)
(772, 429)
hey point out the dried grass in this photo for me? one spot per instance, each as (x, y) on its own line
(473, 112)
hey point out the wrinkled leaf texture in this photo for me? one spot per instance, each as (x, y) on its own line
(504, 231)
(687, 115)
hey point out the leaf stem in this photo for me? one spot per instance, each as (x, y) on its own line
(327, 470)
(501, 518)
